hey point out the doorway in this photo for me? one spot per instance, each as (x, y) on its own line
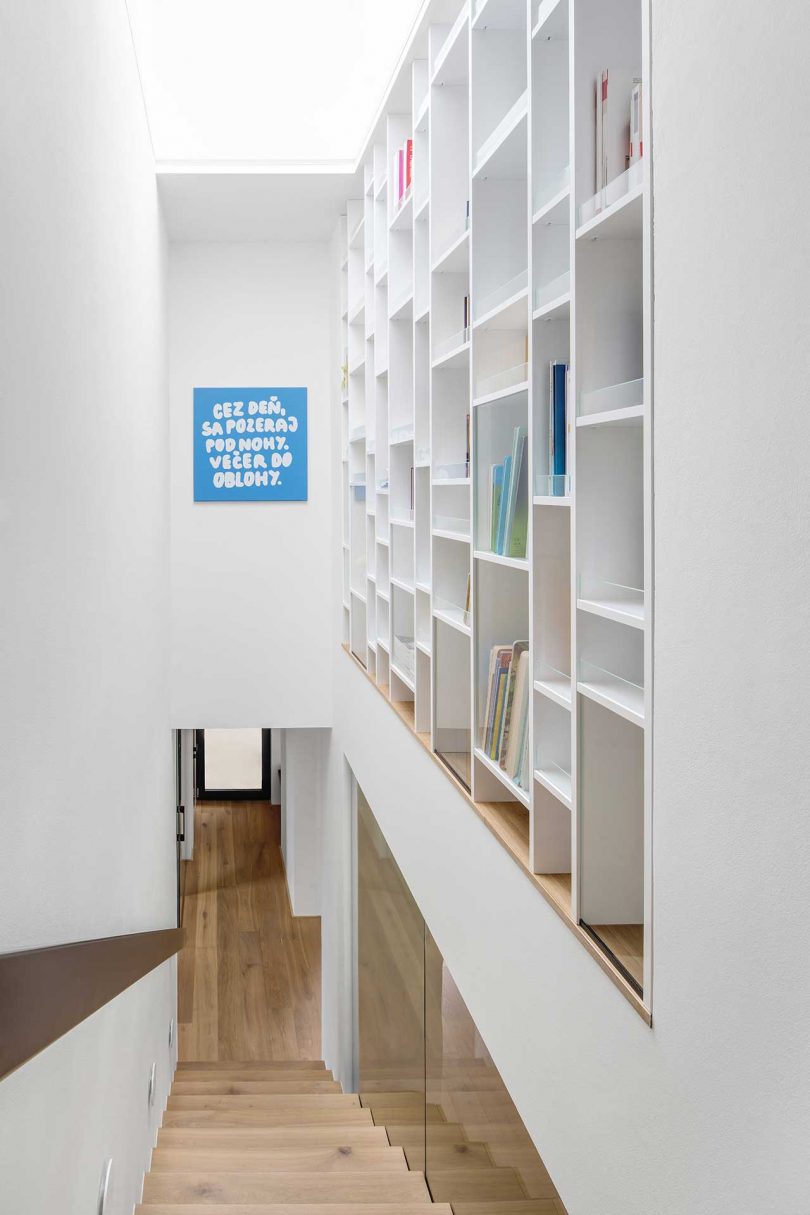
(233, 765)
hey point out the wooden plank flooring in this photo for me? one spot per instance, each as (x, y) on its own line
(249, 974)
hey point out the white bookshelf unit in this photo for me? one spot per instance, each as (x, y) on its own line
(500, 259)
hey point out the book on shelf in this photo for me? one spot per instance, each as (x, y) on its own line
(618, 106)
(636, 134)
(509, 500)
(557, 426)
(401, 173)
(466, 313)
(467, 457)
(505, 730)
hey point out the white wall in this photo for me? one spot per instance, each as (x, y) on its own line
(709, 1110)
(302, 813)
(250, 592)
(86, 793)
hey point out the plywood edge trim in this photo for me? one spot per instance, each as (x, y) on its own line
(488, 819)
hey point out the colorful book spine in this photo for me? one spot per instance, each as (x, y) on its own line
(559, 438)
(501, 534)
(501, 676)
(519, 525)
(518, 459)
(408, 164)
(496, 493)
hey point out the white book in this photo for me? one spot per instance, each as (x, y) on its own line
(636, 139)
(599, 162)
(616, 92)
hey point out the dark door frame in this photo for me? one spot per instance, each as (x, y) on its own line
(233, 795)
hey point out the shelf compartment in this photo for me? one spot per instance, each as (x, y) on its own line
(555, 292)
(452, 614)
(451, 474)
(402, 217)
(612, 601)
(497, 771)
(500, 15)
(610, 796)
(503, 154)
(502, 384)
(552, 489)
(552, 21)
(402, 308)
(453, 351)
(554, 206)
(505, 307)
(456, 257)
(450, 65)
(452, 697)
(616, 399)
(403, 658)
(514, 563)
(633, 415)
(401, 434)
(612, 692)
(554, 684)
(452, 528)
(615, 212)
(556, 781)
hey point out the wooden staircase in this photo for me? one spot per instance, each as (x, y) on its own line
(274, 1139)
(283, 1139)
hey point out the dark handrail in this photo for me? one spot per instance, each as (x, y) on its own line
(44, 993)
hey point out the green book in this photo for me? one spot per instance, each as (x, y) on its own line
(496, 490)
(519, 530)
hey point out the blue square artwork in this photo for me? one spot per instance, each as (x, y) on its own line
(250, 444)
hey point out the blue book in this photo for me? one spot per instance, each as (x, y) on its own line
(507, 481)
(558, 446)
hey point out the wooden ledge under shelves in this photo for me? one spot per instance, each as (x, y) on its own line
(509, 823)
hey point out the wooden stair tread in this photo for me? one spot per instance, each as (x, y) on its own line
(210, 1065)
(280, 1115)
(338, 1158)
(292, 1208)
(358, 1187)
(246, 1138)
(226, 1075)
(450, 1156)
(475, 1185)
(232, 1088)
(412, 1134)
(291, 1101)
(521, 1206)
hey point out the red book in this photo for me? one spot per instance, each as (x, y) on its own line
(408, 164)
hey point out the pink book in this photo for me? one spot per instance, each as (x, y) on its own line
(408, 164)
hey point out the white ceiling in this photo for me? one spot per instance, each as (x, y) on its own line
(245, 206)
(266, 80)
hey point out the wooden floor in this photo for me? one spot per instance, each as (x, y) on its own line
(249, 974)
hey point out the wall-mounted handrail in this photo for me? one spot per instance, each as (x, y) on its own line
(44, 993)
